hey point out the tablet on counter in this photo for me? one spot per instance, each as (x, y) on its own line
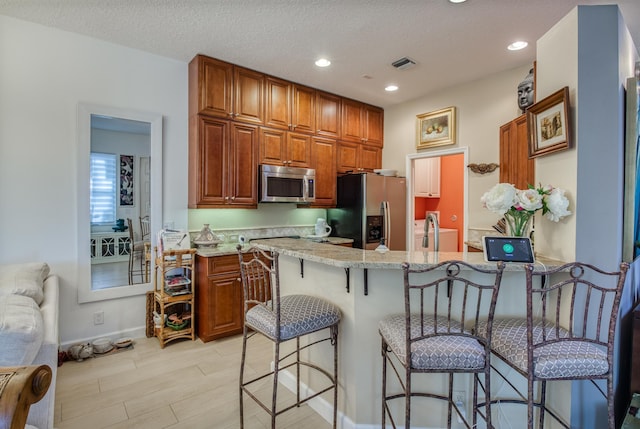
(507, 249)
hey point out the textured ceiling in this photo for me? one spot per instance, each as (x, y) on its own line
(452, 43)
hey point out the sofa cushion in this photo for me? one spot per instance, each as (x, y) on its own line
(24, 279)
(21, 330)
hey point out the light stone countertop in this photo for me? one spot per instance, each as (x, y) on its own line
(345, 257)
(230, 248)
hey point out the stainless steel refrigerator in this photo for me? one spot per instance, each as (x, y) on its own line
(371, 207)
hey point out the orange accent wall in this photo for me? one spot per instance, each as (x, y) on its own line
(451, 198)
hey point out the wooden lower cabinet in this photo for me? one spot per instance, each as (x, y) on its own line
(219, 306)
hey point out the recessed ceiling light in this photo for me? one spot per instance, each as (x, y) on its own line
(457, 1)
(391, 88)
(516, 46)
(323, 62)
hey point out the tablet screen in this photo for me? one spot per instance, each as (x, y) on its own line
(508, 249)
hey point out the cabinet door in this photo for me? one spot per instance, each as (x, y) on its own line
(243, 161)
(426, 176)
(277, 112)
(515, 165)
(323, 159)
(348, 157)
(303, 109)
(352, 121)
(210, 87)
(208, 167)
(373, 126)
(327, 114)
(370, 158)
(298, 150)
(248, 101)
(224, 294)
(273, 146)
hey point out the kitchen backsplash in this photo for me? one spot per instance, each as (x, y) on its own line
(269, 220)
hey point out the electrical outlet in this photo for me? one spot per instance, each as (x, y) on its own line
(98, 318)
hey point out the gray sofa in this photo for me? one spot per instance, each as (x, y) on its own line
(29, 297)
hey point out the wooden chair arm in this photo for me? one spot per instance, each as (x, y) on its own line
(19, 388)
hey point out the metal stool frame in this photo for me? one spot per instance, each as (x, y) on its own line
(567, 305)
(261, 286)
(462, 304)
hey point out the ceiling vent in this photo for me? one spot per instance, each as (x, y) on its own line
(403, 63)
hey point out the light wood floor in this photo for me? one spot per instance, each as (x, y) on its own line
(188, 384)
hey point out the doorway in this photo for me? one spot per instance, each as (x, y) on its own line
(450, 203)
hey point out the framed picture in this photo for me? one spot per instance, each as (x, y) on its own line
(126, 180)
(548, 124)
(437, 128)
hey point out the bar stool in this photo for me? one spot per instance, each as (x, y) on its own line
(568, 334)
(136, 250)
(280, 319)
(437, 333)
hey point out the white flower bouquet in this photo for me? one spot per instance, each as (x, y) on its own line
(518, 206)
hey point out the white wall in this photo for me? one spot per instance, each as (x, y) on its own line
(482, 107)
(590, 50)
(45, 73)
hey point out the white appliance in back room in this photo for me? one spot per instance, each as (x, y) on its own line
(371, 207)
(448, 238)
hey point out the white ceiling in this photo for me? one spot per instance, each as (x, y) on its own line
(452, 43)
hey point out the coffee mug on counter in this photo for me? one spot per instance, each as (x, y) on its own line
(322, 228)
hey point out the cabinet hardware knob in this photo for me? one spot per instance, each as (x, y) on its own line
(233, 198)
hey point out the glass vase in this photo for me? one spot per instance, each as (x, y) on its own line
(518, 223)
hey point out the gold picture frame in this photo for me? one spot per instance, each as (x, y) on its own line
(437, 128)
(548, 124)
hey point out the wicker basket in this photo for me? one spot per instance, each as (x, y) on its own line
(150, 303)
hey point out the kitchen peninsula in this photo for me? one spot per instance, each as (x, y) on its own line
(367, 285)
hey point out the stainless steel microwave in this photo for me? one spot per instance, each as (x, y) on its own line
(287, 184)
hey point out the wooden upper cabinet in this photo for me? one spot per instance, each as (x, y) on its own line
(210, 87)
(348, 157)
(278, 103)
(515, 165)
(223, 167)
(370, 158)
(357, 157)
(352, 121)
(323, 159)
(303, 109)
(373, 126)
(328, 114)
(273, 146)
(248, 101)
(279, 147)
(289, 106)
(208, 161)
(243, 165)
(298, 150)
(226, 91)
(362, 123)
